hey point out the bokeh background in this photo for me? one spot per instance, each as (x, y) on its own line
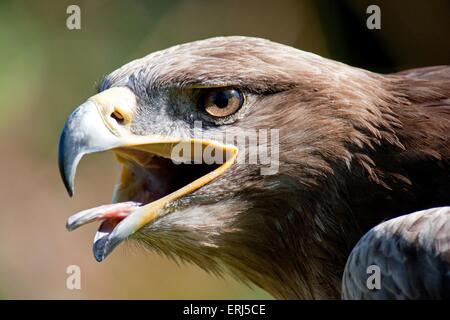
(46, 70)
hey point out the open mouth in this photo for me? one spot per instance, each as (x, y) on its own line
(156, 170)
(151, 179)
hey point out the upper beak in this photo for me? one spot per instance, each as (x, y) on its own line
(92, 128)
(84, 132)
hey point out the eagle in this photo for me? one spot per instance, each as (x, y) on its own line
(361, 177)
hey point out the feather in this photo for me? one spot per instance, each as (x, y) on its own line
(412, 253)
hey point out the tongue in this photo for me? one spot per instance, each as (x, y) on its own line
(109, 214)
(115, 211)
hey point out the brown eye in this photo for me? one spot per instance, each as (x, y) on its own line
(222, 102)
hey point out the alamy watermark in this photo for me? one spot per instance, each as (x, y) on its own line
(374, 280)
(374, 20)
(255, 147)
(73, 21)
(73, 281)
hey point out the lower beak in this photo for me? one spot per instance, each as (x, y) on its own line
(87, 130)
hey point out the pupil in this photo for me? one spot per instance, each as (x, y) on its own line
(221, 99)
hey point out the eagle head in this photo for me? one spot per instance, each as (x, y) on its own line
(240, 154)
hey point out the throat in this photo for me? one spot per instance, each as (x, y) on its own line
(146, 177)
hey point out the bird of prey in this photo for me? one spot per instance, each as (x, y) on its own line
(354, 148)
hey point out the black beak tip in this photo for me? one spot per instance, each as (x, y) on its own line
(99, 248)
(69, 191)
(64, 168)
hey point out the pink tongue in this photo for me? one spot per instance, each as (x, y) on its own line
(114, 212)
(109, 214)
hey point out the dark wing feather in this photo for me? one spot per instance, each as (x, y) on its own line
(413, 254)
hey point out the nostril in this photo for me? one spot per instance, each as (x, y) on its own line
(116, 115)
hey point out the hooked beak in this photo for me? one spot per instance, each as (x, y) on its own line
(83, 133)
(152, 166)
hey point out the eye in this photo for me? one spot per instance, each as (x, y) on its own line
(222, 102)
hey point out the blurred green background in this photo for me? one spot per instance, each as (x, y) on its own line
(47, 70)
